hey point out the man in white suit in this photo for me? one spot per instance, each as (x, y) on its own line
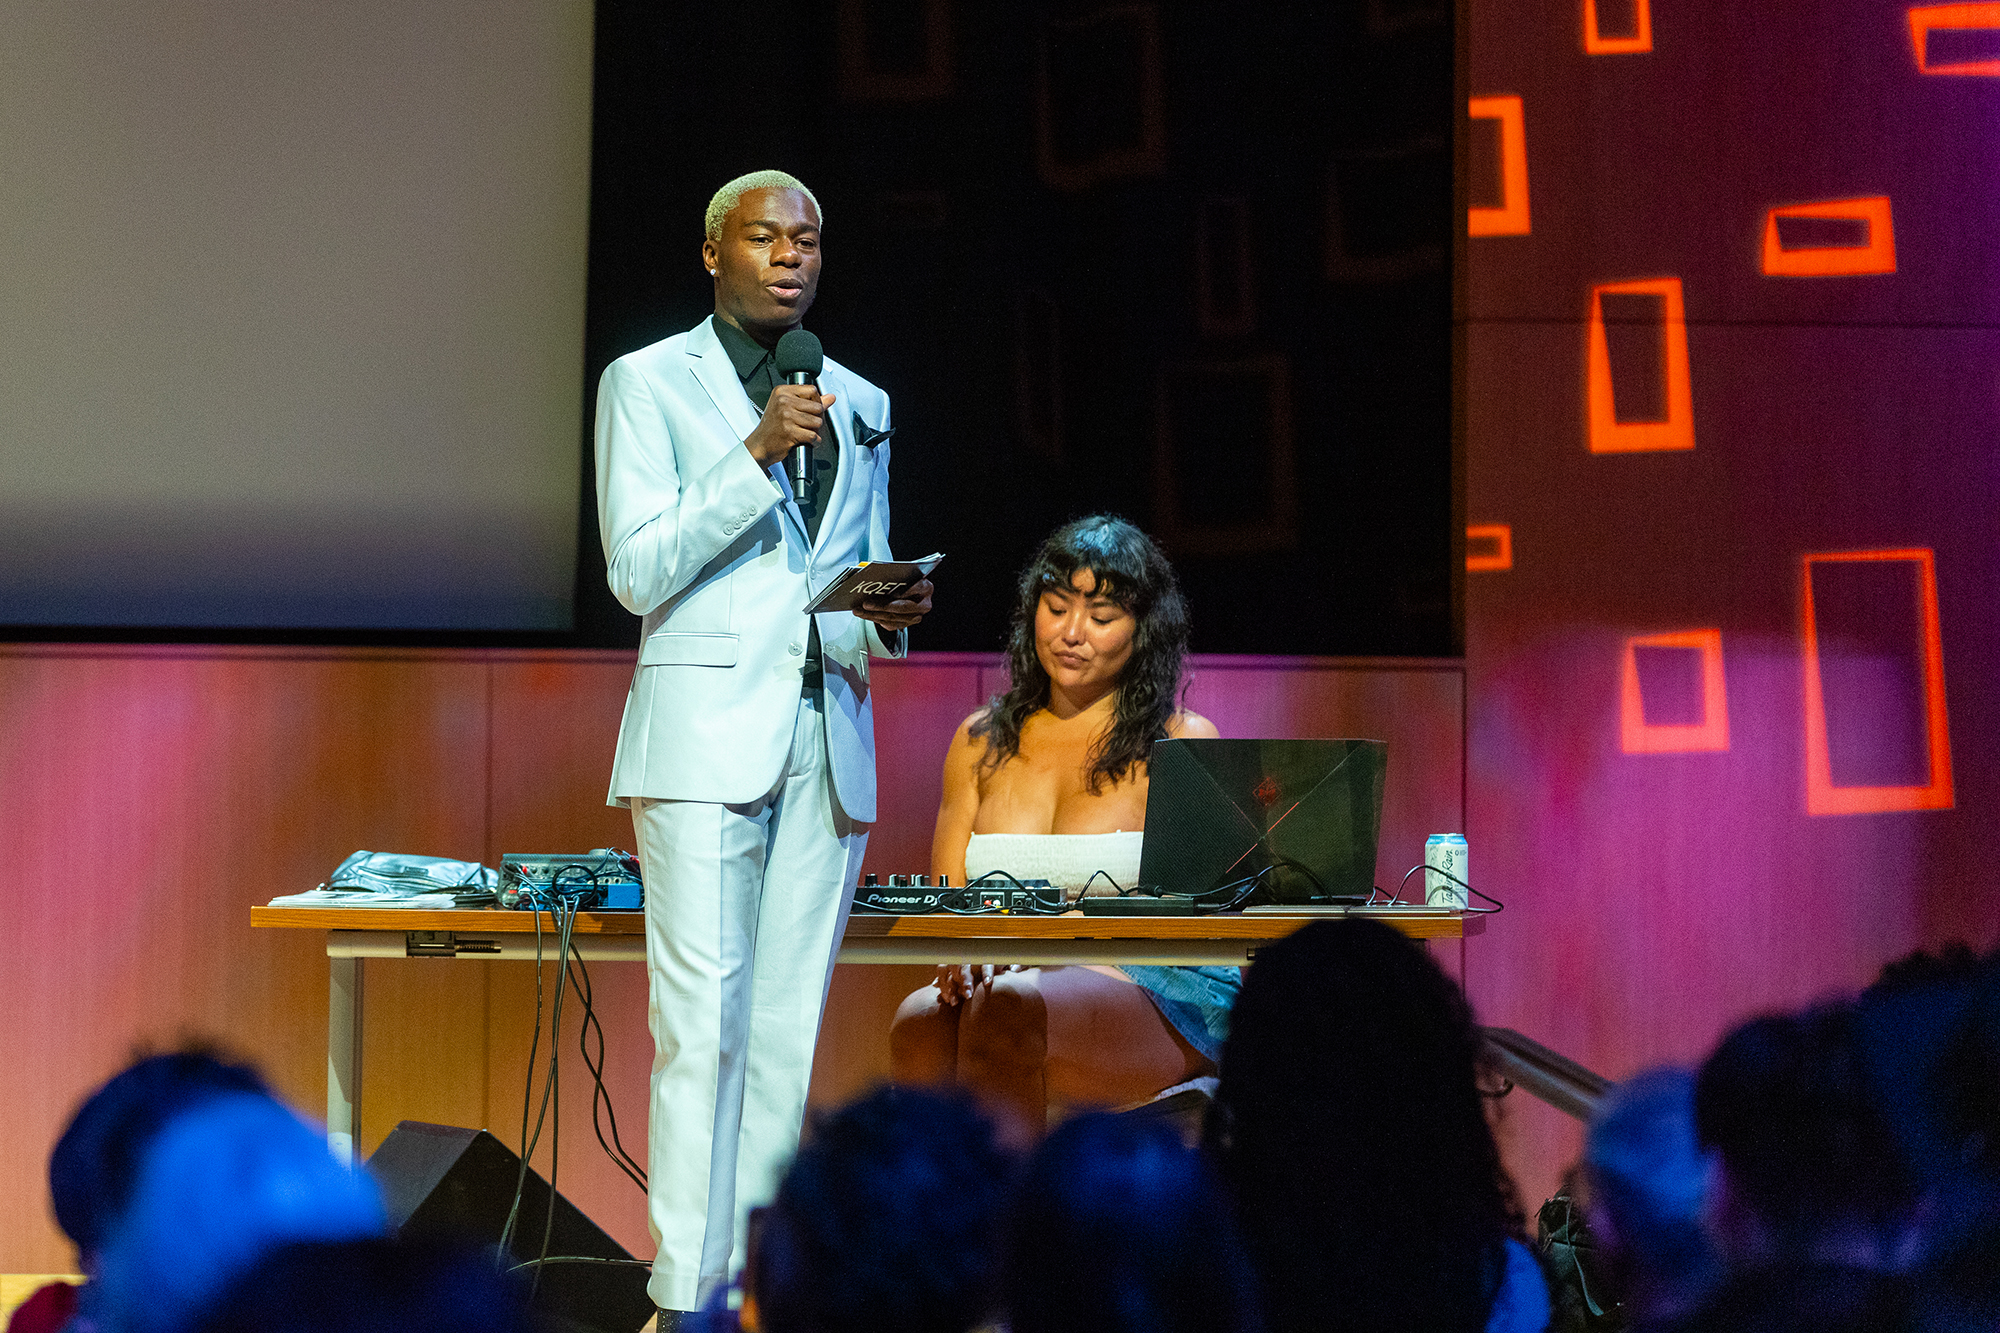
(747, 753)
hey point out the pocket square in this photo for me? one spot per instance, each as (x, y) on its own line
(867, 436)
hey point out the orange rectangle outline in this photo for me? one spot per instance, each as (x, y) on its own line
(1923, 18)
(860, 82)
(1511, 218)
(1607, 434)
(1878, 256)
(1149, 158)
(1822, 797)
(1207, 282)
(1596, 44)
(1276, 530)
(1503, 536)
(1637, 736)
(1340, 265)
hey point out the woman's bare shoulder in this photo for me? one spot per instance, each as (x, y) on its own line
(970, 742)
(1191, 726)
(973, 734)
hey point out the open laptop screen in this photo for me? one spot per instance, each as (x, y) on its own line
(1308, 811)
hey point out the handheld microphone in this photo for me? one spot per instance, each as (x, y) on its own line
(799, 359)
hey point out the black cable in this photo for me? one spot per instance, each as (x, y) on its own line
(566, 909)
(1116, 887)
(1233, 895)
(1044, 899)
(615, 1150)
(1498, 906)
(581, 1259)
(1246, 888)
(527, 1099)
(562, 908)
(963, 901)
(1319, 894)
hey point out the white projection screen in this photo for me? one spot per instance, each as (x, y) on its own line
(291, 312)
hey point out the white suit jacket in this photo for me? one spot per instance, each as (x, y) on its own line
(711, 550)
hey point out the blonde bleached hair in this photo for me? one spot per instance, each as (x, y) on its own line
(732, 194)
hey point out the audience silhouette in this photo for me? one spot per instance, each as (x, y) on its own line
(1648, 1187)
(375, 1285)
(886, 1222)
(1350, 1123)
(1119, 1227)
(1831, 1169)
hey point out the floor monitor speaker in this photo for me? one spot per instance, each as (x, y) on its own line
(443, 1182)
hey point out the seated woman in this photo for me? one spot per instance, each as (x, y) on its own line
(1049, 781)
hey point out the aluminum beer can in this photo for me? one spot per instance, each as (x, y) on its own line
(1445, 852)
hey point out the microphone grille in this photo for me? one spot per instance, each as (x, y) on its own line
(799, 351)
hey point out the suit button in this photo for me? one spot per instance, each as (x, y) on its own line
(796, 649)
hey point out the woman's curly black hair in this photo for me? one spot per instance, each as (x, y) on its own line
(1127, 567)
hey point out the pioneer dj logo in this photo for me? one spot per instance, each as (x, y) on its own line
(1267, 792)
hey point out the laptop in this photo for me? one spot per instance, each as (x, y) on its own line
(1303, 814)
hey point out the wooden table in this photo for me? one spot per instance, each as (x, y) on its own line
(356, 934)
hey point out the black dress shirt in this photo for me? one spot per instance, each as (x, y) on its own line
(756, 365)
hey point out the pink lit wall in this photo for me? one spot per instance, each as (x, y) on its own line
(1731, 392)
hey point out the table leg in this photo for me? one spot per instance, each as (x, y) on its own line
(343, 1058)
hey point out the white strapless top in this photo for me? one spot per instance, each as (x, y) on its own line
(1067, 860)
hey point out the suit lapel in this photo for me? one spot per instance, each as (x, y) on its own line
(830, 381)
(717, 376)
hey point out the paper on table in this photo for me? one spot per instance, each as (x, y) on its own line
(363, 898)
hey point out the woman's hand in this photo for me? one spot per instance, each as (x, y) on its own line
(957, 982)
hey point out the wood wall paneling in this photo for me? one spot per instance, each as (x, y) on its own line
(147, 800)
(149, 795)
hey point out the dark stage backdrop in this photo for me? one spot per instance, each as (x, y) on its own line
(1184, 262)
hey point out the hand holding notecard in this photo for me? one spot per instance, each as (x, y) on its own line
(873, 581)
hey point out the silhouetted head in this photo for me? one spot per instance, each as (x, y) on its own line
(1351, 1128)
(1810, 1171)
(1648, 1179)
(1930, 1041)
(1119, 1228)
(1953, 961)
(220, 1187)
(376, 1285)
(885, 1222)
(95, 1162)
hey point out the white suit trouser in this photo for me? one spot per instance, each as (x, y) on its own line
(745, 905)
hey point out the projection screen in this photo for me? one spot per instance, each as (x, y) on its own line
(291, 312)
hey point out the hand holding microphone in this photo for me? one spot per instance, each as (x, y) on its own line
(796, 415)
(799, 362)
